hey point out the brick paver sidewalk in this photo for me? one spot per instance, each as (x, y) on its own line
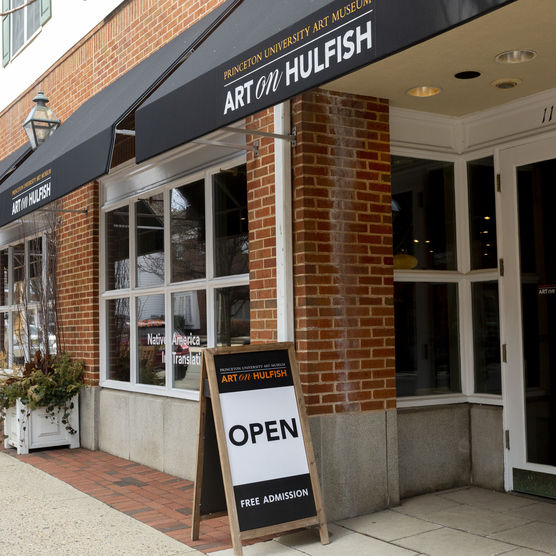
(160, 500)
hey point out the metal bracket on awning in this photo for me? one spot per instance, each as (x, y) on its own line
(84, 211)
(235, 146)
(130, 132)
(253, 148)
(292, 137)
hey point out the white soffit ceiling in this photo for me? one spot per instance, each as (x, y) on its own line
(525, 24)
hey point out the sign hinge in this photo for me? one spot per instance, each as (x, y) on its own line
(504, 353)
(498, 183)
(501, 266)
(507, 439)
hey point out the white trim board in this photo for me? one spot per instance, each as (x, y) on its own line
(509, 122)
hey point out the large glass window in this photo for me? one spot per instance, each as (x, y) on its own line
(187, 231)
(232, 316)
(117, 249)
(35, 290)
(151, 339)
(423, 210)
(482, 213)
(427, 339)
(4, 277)
(432, 279)
(18, 259)
(150, 241)
(27, 321)
(189, 336)
(190, 285)
(118, 340)
(486, 338)
(231, 254)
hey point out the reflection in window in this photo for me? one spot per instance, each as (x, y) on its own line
(35, 336)
(18, 338)
(18, 273)
(486, 338)
(427, 348)
(187, 231)
(118, 340)
(4, 286)
(482, 213)
(35, 269)
(231, 250)
(4, 341)
(423, 210)
(117, 249)
(189, 335)
(232, 316)
(24, 22)
(150, 241)
(151, 340)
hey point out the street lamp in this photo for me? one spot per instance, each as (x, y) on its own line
(41, 121)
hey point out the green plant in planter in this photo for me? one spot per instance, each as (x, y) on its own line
(50, 383)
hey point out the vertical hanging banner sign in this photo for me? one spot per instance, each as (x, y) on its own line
(266, 453)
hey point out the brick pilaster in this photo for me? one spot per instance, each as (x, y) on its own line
(343, 253)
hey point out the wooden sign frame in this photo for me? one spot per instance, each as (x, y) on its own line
(211, 423)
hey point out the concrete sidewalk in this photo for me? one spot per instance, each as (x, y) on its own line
(41, 515)
(460, 522)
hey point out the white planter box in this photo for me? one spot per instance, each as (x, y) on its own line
(26, 429)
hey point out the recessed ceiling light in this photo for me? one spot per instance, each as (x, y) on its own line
(515, 56)
(467, 74)
(424, 91)
(506, 82)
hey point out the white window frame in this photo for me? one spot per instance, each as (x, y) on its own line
(210, 283)
(26, 39)
(463, 277)
(32, 306)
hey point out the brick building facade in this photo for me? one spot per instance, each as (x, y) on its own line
(396, 407)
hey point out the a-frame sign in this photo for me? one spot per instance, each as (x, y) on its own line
(252, 421)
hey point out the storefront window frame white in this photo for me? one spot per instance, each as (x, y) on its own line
(463, 277)
(210, 283)
(32, 307)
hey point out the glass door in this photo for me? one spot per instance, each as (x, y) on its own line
(528, 203)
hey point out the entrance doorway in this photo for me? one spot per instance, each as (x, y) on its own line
(528, 288)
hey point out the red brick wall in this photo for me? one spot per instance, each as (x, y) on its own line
(136, 30)
(78, 279)
(343, 253)
(262, 231)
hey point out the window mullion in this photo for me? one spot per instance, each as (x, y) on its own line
(132, 245)
(209, 231)
(462, 217)
(167, 238)
(168, 329)
(134, 351)
(466, 337)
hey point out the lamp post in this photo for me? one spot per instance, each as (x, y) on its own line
(41, 121)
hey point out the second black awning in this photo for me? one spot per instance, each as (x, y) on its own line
(80, 150)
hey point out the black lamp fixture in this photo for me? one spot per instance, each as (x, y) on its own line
(41, 121)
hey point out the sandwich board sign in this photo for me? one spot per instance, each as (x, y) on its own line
(252, 418)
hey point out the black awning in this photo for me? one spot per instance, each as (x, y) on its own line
(81, 148)
(270, 50)
(12, 161)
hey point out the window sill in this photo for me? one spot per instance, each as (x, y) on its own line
(448, 399)
(192, 395)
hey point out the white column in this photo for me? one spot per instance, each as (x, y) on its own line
(284, 249)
